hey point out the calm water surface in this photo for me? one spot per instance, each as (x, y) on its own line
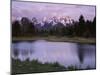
(64, 53)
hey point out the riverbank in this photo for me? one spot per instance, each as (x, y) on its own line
(57, 39)
(35, 66)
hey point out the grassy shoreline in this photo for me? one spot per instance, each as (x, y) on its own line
(57, 39)
(35, 66)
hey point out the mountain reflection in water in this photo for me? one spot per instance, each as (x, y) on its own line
(64, 53)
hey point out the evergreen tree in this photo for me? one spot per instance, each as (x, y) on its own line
(16, 28)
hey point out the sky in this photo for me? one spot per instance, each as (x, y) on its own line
(39, 10)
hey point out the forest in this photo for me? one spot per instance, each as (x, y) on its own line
(28, 28)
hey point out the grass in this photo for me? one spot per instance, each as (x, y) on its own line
(57, 39)
(34, 66)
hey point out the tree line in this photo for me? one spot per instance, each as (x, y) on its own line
(80, 28)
